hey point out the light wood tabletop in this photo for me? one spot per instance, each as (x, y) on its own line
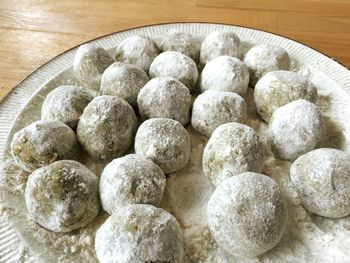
(34, 31)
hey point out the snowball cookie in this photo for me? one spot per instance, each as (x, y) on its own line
(218, 44)
(42, 143)
(213, 108)
(165, 141)
(62, 196)
(177, 65)
(107, 127)
(139, 233)
(232, 149)
(263, 58)
(278, 88)
(182, 42)
(165, 97)
(137, 50)
(247, 214)
(295, 129)
(132, 179)
(225, 73)
(322, 180)
(65, 103)
(90, 62)
(123, 80)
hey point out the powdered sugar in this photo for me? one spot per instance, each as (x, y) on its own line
(32, 149)
(140, 233)
(232, 149)
(213, 108)
(165, 141)
(137, 50)
(107, 127)
(177, 65)
(295, 129)
(247, 214)
(132, 179)
(322, 180)
(225, 73)
(123, 80)
(261, 59)
(89, 63)
(182, 42)
(218, 44)
(62, 196)
(66, 104)
(165, 97)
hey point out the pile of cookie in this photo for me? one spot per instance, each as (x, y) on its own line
(131, 113)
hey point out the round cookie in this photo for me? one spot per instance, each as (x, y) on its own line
(225, 73)
(42, 143)
(247, 214)
(65, 103)
(218, 44)
(123, 80)
(140, 233)
(177, 65)
(106, 128)
(137, 50)
(295, 129)
(213, 108)
(232, 149)
(322, 180)
(165, 141)
(90, 62)
(62, 196)
(261, 59)
(165, 97)
(182, 42)
(278, 88)
(132, 179)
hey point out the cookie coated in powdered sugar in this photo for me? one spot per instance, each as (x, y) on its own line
(182, 42)
(322, 180)
(42, 143)
(177, 65)
(62, 196)
(218, 44)
(213, 108)
(232, 149)
(295, 129)
(132, 179)
(263, 58)
(278, 88)
(165, 97)
(106, 128)
(138, 50)
(225, 73)
(138, 234)
(90, 62)
(123, 80)
(165, 141)
(247, 214)
(65, 103)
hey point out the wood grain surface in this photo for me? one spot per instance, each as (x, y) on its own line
(34, 31)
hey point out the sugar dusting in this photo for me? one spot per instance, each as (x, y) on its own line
(308, 238)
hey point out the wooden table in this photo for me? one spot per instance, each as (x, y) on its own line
(34, 31)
